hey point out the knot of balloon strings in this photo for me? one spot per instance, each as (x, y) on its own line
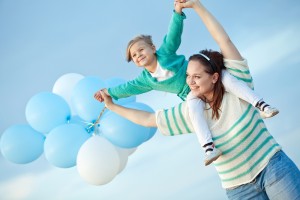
(94, 125)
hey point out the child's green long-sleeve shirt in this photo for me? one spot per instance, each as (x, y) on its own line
(169, 60)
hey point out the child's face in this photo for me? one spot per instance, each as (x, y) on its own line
(143, 54)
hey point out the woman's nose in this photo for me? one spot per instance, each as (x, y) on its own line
(190, 80)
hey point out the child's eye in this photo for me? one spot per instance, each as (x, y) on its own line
(133, 55)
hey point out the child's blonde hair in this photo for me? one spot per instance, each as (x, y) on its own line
(145, 38)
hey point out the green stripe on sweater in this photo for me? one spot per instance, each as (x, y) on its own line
(182, 119)
(247, 80)
(244, 150)
(236, 134)
(234, 125)
(253, 166)
(175, 120)
(238, 70)
(168, 123)
(249, 158)
(244, 139)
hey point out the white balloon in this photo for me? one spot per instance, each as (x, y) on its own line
(129, 151)
(98, 161)
(64, 86)
(123, 154)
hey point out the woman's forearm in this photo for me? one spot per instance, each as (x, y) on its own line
(140, 117)
(218, 33)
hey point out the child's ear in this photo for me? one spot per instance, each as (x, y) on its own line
(154, 48)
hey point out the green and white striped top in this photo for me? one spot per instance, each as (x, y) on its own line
(239, 133)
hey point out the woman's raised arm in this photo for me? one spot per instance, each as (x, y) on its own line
(216, 30)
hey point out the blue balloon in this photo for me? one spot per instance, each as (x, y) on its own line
(145, 107)
(63, 143)
(82, 98)
(47, 110)
(152, 132)
(75, 119)
(122, 132)
(21, 144)
(113, 82)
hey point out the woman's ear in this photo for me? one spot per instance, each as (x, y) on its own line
(215, 77)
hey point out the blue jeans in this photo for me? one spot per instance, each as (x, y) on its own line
(279, 180)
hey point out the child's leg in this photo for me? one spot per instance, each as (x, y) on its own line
(196, 113)
(239, 88)
(243, 91)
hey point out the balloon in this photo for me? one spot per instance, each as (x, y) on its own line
(47, 110)
(122, 132)
(113, 82)
(21, 144)
(63, 143)
(152, 132)
(77, 120)
(82, 98)
(129, 151)
(64, 86)
(123, 155)
(145, 107)
(98, 161)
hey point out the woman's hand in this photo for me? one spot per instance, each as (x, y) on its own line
(106, 99)
(98, 96)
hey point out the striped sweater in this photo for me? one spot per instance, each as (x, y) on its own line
(239, 133)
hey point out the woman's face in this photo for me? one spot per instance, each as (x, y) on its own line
(200, 82)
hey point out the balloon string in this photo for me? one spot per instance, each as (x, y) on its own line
(98, 121)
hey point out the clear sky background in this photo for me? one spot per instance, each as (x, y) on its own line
(43, 40)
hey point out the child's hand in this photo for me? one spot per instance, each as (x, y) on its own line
(98, 95)
(178, 6)
(107, 99)
(185, 3)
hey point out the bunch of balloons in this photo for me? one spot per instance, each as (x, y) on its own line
(64, 125)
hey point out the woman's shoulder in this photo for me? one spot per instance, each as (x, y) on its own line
(236, 64)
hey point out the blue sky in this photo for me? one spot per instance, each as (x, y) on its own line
(43, 40)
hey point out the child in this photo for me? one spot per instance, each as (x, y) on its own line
(164, 70)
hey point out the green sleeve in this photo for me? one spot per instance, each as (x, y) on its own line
(172, 40)
(134, 87)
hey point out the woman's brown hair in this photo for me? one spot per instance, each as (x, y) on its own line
(213, 62)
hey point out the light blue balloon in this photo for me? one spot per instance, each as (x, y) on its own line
(145, 107)
(82, 98)
(152, 132)
(47, 110)
(63, 143)
(21, 144)
(115, 81)
(122, 132)
(75, 119)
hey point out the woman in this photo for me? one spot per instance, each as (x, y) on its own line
(252, 165)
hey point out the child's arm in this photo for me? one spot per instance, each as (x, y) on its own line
(172, 39)
(137, 86)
